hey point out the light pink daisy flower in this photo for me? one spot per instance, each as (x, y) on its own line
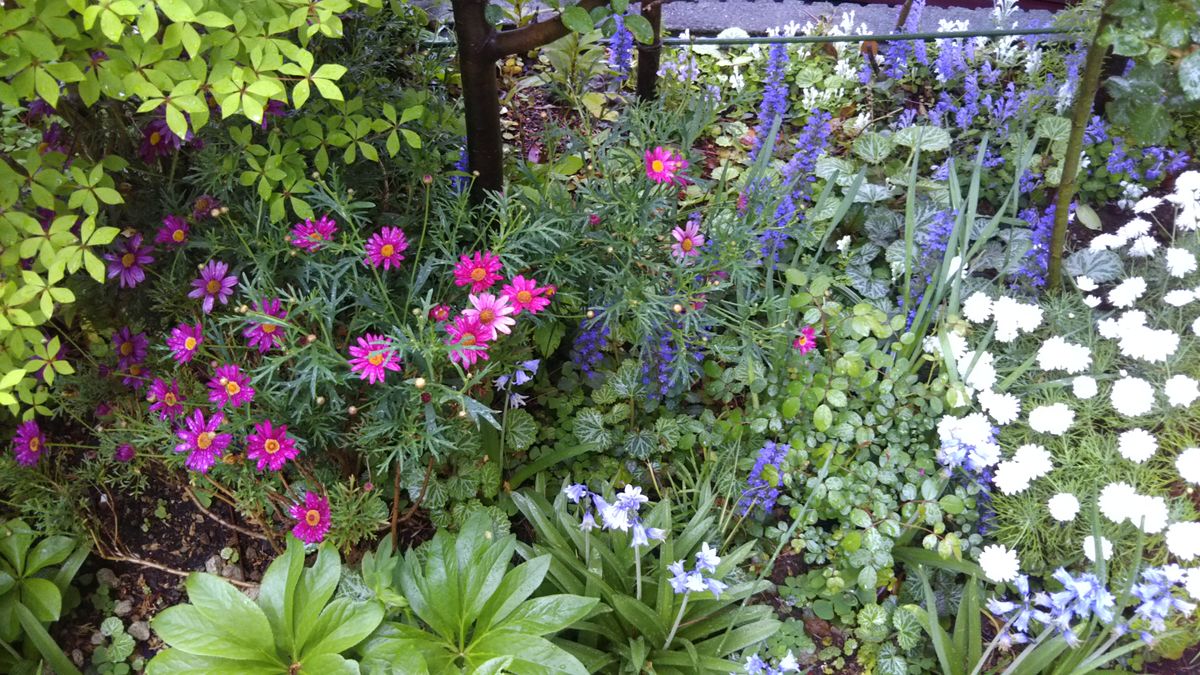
(263, 334)
(481, 271)
(663, 166)
(688, 241)
(312, 235)
(373, 357)
(270, 446)
(806, 341)
(165, 399)
(174, 231)
(524, 294)
(230, 386)
(214, 285)
(28, 443)
(386, 248)
(201, 440)
(491, 312)
(312, 518)
(184, 340)
(471, 339)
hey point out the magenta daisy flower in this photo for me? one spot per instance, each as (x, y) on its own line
(204, 207)
(524, 294)
(440, 313)
(124, 453)
(271, 446)
(174, 231)
(165, 399)
(481, 271)
(491, 312)
(263, 334)
(127, 263)
(386, 248)
(184, 340)
(215, 284)
(373, 357)
(230, 386)
(470, 337)
(688, 241)
(806, 341)
(201, 440)
(312, 518)
(134, 375)
(312, 235)
(28, 443)
(663, 166)
(129, 348)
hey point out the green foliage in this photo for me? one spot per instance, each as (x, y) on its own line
(35, 584)
(635, 632)
(475, 610)
(295, 626)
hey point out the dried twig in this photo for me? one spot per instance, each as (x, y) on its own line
(192, 496)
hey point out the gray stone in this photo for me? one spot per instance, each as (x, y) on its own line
(123, 607)
(77, 657)
(139, 630)
(213, 564)
(106, 577)
(233, 572)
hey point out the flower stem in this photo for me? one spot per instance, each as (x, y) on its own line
(637, 566)
(678, 618)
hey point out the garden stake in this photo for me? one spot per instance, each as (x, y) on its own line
(649, 55)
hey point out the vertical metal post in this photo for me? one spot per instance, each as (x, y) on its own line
(648, 55)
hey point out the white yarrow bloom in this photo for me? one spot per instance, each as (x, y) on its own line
(1134, 228)
(978, 373)
(1192, 583)
(1183, 540)
(1151, 514)
(999, 563)
(1188, 465)
(1058, 354)
(1148, 344)
(977, 308)
(1089, 547)
(1116, 500)
(1084, 386)
(1092, 301)
(1052, 419)
(1132, 396)
(1106, 241)
(1143, 247)
(1196, 326)
(1147, 204)
(1085, 283)
(1127, 292)
(1013, 318)
(1181, 391)
(1011, 477)
(1179, 297)
(1004, 408)
(1137, 445)
(1035, 459)
(1063, 506)
(1180, 262)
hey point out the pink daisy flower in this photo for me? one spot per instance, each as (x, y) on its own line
(127, 263)
(481, 271)
(165, 399)
(230, 386)
(386, 248)
(263, 334)
(688, 241)
(806, 341)
(215, 284)
(312, 518)
(28, 443)
(201, 440)
(440, 313)
(663, 166)
(130, 348)
(134, 375)
(270, 446)
(471, 339)
(373, 357)
(184, 340)
(312, 235)
(491, 312)
(124, 453)
(524, 294)
(174, 231)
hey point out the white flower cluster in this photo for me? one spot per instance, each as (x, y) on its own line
(1120, 502)
(1137, 340)
(1012, 317)
(1058, 354)
(1028, 463)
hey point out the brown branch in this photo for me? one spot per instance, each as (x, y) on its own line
(534, 35)
(117, 557)
(421, 495)
(258, 535)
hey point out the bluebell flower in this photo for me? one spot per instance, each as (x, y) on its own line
(576, 492)
(459, 183)
(590, 342)
(707, 558)
(758, 491)
(620, 48)
(775, 95)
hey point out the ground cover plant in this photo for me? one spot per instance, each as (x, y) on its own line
(773, 372)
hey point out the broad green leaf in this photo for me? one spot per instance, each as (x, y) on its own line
(342, 624)
(532, 655)
(328, 664)
(1189, 75)
(42, 598)
(242, 620)
(316, 587)
(641, 29)
(186, 628)
(873, 147)
(49, 551)
(548, 614)
(276, 593)
(577, 19)
(177, 662)
(520, 429)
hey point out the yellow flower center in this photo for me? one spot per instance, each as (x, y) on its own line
(126, 348)
(271, 446)
(232, 388)
(313, 517)
(486, 316)
(388, 250)
(34, 444)
(205, 439)
(315, 236)
(155, 137)
(686, 244)
(177, 235)
(375, 359)
(524, 297)
(128, 259)
(478, 274)
(467, 339)
(657, 166)
(169, 398)
(802, 339)
(269, 328)
(213, 286)
(189, 344)
(135, 369)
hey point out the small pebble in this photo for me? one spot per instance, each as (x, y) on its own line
(123, 607)
(139, 630)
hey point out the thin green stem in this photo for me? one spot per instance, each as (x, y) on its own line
(678, 618)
